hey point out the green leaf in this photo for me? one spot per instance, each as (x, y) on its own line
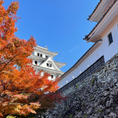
(11, 117)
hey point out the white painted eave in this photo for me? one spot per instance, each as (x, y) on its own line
(50, 71)
(100, 10)
(95, 34)
(45, 50)
(60, 65)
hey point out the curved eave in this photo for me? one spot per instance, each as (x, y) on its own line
(89, 18)
(60, 65)
(107, 19)
(50, 71)
(45, 50)
(101, 9)
(37, 58)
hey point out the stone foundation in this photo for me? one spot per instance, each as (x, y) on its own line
(94, 97)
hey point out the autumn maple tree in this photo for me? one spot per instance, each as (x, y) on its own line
(22, 91)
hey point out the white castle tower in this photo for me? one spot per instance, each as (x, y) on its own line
(42, 59)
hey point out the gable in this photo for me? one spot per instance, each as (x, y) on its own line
(49, 63)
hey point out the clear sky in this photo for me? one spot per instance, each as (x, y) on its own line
(59, 25)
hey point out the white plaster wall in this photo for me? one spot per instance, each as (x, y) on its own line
(43, 55)
(45, 66)
(48, 61)
(35, 53)
(110, 51)
(104, 49)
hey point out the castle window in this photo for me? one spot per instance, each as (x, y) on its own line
(52, 76)
(38, 54)
(35, 62)
(110, 38)
(41, 55)
(49, 65)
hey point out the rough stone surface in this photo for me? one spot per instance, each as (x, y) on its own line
(94, 97)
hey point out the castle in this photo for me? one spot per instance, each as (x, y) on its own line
(42, 59)
(105, 38)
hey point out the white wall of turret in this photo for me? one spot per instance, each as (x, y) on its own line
(41, 55)
(107, 49)
(44, 61)
(51, 77)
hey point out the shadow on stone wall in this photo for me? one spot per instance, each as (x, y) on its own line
(94, 97)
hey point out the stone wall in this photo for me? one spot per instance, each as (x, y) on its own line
(94, 97)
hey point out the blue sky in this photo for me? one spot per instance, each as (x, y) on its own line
(59, 25)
